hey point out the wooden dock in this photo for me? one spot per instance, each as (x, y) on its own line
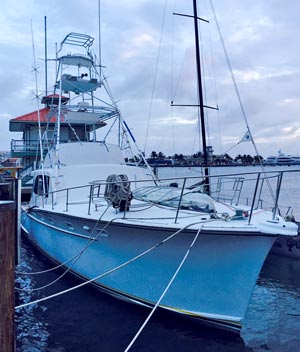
(10, 199)
(7, 275)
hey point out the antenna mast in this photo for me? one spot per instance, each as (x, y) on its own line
(99, 34)
(46, 58)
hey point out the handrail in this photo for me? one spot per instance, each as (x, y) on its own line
(256, 195)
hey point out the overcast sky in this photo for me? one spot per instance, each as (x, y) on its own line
(262, 40)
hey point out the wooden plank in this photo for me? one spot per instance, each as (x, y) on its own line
(7, 276)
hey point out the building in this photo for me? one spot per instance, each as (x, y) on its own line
(29, 147)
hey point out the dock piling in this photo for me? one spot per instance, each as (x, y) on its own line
(7, 275)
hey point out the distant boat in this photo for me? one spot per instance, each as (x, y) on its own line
(282, 159)
(143, 239)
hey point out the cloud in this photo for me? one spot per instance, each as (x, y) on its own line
(251, 30)
(175, 120)
(138, 43)
(261, 39)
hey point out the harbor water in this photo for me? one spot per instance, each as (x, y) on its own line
(88, 320)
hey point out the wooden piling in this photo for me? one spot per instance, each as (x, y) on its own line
(7, 275)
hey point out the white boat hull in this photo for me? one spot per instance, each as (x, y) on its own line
(214, 284)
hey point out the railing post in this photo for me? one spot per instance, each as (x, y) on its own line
(52, 200)
(67, 200)
(254, 197)
(127, 198)
(277, 193)
(259, 200)
(90, 200)
(179, 203)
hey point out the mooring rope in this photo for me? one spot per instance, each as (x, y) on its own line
(75, 258)
(109, 271)
(164, 292)
(90, 239)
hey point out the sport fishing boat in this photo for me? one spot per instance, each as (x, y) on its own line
(155, 242)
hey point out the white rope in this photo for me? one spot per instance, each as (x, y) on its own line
(90, 239)
(109, 271)
(164, 293)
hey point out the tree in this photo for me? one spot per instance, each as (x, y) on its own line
(258, 159)
(161, 156)
(228, 157)
(153, 155)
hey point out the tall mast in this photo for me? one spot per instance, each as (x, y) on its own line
(200, 98)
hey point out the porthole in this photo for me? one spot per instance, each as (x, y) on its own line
(70, 226)
(50, 220)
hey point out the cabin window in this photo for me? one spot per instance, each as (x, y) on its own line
(41, 185)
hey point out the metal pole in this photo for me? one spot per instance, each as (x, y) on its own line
(46, 58)
(254, 197)
(179, 203)
(277, 193)
(200, 97)
(90, 198)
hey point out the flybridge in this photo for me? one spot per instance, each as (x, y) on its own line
(78, 39)
(83, 82)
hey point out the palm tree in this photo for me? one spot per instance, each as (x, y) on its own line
(161, 156)
(153, 155)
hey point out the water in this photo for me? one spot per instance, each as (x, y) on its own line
(88, 320)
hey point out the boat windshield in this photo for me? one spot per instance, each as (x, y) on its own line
(170, 196)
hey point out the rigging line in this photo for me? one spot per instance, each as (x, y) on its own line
(155, 75)
(237, 92)
(72, 129)
(230, 69)
(126, 128)
(109, 92)
(110, 129)
(164, 292)
(109, 271)
(232, 76)
(214, 84)
(179, 76)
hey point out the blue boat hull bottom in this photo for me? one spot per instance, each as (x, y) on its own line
(214, 285)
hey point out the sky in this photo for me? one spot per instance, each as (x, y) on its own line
(149, 60)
